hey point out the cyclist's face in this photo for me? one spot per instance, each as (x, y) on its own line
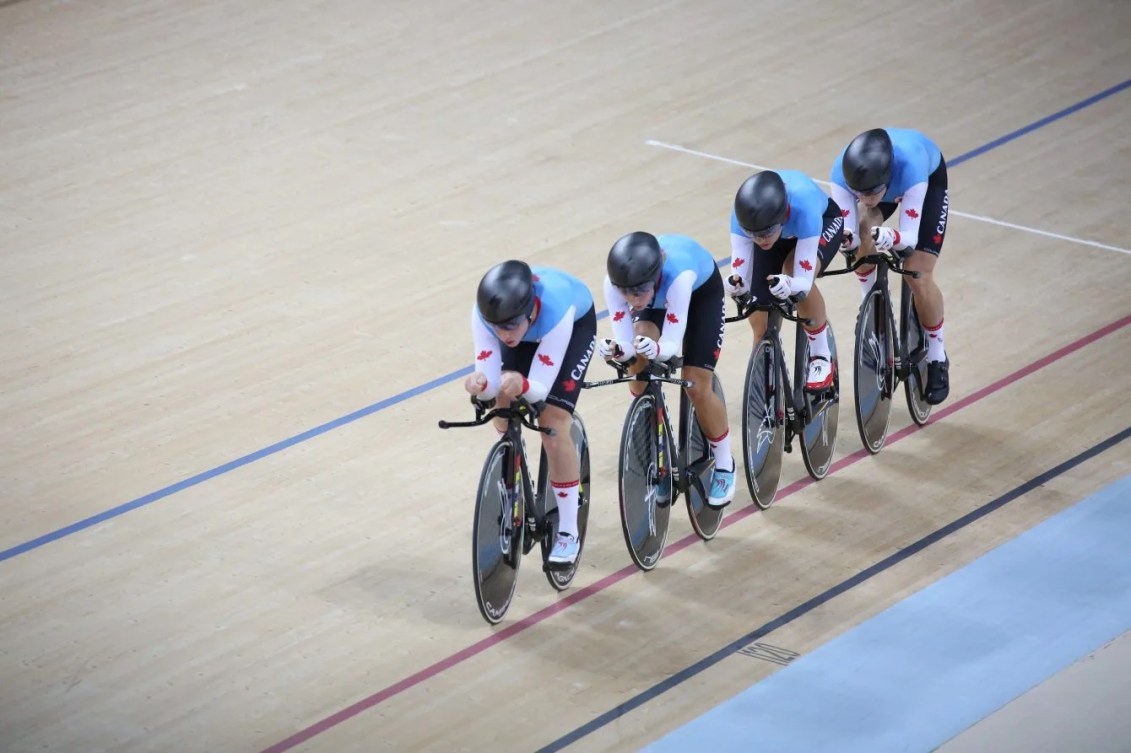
(872, 198)
(767, 238)
(511, 334)
(637, 299)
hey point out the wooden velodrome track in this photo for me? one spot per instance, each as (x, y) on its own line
(239, 245)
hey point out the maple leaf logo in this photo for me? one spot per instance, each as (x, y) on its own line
(484, 355)
(562, 494)
(822, 242)
(718, 352)
(618, 316)
(737, 263)
(844, 213)
(569, 385)
(673, 318)
(912, 213)
(545, 359)
(937, 239)
(806, 265)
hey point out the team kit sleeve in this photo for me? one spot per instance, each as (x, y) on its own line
(675, 320)
(488, 359)
(619, 314)
(805, 264)
(741, 251)
(548, 358)
(847, 203)
(910, 215)
(916, 169)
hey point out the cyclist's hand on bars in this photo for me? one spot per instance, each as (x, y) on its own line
(647, 347)
(512, 384)
(886, 238)
(475, 383)
(735, 287)
(781, 286)
(609, 348)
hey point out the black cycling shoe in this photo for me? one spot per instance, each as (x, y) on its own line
(938, 382)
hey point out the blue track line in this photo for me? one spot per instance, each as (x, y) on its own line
(232, 465)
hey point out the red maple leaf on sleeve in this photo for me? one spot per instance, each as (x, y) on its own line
(912, 213)
(545, 359)
(806, 265)
(484, 355)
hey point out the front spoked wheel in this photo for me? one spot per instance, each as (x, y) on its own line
(874, 365)
(698, 468)
(561, 579)
(763, 432)
(818, 443)
(914, 337)
(497, 532)
(645, 482)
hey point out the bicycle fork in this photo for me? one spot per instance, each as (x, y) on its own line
(663, 483)
(511, 515)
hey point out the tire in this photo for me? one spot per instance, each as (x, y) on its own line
(874, 371)
(704, 518)
(497, 546)
(818, 440)
(645, 482)
(914, 337)
(763, 425)
(561, 579)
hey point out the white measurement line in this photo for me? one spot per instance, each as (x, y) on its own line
(977, 217)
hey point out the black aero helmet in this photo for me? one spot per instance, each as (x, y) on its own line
(867, 161)
(761, 202)
(635, 259)
(506, 292)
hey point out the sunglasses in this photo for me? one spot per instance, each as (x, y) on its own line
(643, 288)
(510, 325)
(765, 233)
(880, 189)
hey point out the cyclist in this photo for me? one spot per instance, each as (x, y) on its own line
(797, 230)
(665, 297)
(885, 169)
(534, 330)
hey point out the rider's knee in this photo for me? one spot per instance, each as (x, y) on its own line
(921, 283)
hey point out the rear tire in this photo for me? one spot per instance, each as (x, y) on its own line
(704, 518)
(818, 440)
(915, 339)
(561, 579)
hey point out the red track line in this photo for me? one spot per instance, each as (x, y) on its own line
(609, 580)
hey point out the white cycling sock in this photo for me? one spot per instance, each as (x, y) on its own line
(565, 494)
(720, 449)
(819, 341)
(866, 281)
(935, 349)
